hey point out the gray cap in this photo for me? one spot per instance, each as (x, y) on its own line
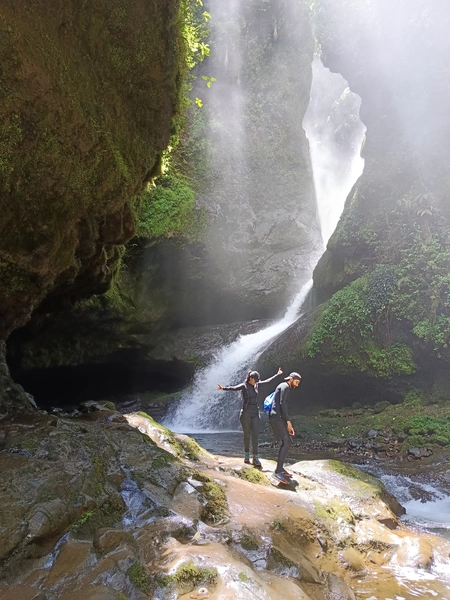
(293, 375)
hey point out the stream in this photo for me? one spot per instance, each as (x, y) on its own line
(422, 488)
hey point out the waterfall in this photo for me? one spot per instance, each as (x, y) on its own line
(204, 408)
(335, 134)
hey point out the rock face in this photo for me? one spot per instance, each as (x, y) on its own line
(87, 94)
(94, 508)
(383, 325)
(247, 156)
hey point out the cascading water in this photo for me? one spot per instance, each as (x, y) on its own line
(203, 407)
(335, 134)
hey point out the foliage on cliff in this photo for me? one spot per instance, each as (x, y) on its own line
(384, 276)
(87, 98)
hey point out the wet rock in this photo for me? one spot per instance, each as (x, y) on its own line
(47, 519)
(353, 559)
(91, 406)
(355, 444)
(381, 406)
(336, 442)
(281, 565)
(418, 453)
(416, 553)
(188, 500)
(107, 539)
(338, 589)
(389, 523)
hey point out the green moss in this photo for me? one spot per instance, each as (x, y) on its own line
(110, 405)
(334, 509)
(32, 445)
(215, 508)
(183, 446)
(99, 468)
(189, 573)
(139, 577)
(243, 577)
(279, 525)
(107, 515)
(187, 577)
(420, 425)
(190, 448)
(164, 210)
(253, 476)
(249, 543)
(82, 520)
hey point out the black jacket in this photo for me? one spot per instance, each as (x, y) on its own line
(280, 402)
(249, 392)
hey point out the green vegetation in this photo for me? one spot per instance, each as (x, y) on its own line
(335, 509)
(253, 476)
(31, 445)
(279, 525)
(243, 577)
(249, 543)
(191, 573)
(215, 509)
(187, 577)
(139, 577)
(82, 520)
(165, 209)
(183, 446)
(107, 515)
(343, 334)
(415, 424)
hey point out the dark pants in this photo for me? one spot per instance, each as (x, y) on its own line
(251, 425)
(280, 431)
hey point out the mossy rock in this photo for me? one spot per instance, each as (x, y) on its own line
(215, 509)
(187, 577)
(252, 476)
(139, 577)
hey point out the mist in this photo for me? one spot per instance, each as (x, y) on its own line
(335, 133)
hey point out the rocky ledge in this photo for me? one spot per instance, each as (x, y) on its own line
(110, 507)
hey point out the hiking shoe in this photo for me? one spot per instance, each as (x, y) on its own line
(247, 458)
(281, 478)
(286, 473)
(257, 463)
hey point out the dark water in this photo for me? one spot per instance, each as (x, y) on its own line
(232, 444)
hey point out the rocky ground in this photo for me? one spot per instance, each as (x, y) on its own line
(110, 507)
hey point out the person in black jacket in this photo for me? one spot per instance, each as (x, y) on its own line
(280, 421)
(249, 415)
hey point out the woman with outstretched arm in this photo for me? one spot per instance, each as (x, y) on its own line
(249, 415)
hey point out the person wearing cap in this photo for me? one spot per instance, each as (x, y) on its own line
(249, 415)
(281, 424)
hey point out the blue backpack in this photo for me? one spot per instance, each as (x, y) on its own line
(268, 402)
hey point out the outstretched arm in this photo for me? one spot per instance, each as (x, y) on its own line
(280, 372)
(231, 388)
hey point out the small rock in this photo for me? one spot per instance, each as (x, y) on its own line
(419, 452)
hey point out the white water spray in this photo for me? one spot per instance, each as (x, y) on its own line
(204, 408)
